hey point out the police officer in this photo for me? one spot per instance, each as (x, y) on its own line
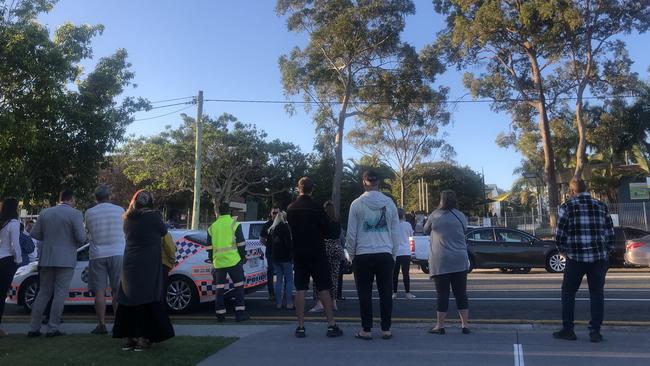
(228, 257)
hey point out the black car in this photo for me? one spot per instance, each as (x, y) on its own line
(511, 250)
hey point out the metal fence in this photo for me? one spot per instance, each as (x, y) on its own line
(623, 214)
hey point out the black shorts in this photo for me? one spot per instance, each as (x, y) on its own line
(318, 270)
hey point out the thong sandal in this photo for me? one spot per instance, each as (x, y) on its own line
(358, 335)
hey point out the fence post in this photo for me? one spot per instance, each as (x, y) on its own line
(645, 217)
(505, 218)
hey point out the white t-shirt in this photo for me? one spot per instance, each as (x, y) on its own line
(406, 230)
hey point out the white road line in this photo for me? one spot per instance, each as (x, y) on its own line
(519, 354)
(524, 290)
(491, 299)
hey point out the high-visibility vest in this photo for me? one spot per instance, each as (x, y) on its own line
(224, 246)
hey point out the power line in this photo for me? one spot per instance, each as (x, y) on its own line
(163, 115)
(171, 100)
(175, 104)
(270, 101)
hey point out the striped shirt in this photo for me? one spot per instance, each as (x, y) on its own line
(105, 230)
(584, 229)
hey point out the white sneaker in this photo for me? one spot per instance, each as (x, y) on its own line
(394, 295)
(317, 309)
(409, 296)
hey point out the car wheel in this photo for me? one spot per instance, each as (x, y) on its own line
(471, 265)
(181, 295)
(555, 263)
(425, 268)
(28, 292)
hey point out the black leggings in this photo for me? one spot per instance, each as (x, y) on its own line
(403, 262)
(7, 270)
(458, 282)
(367, 267)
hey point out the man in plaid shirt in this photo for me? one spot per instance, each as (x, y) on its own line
(585, 235)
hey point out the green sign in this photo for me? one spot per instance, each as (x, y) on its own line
(639, 191)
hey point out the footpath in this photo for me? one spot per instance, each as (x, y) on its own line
(488, 345)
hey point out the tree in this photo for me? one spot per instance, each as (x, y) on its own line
(519, 42)
(596, 59)
(237, 161)
(54, 134)
(402, 121)
(347, 41)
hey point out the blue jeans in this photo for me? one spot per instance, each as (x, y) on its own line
(284, 273)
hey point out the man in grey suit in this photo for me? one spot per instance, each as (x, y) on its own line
(60, 230)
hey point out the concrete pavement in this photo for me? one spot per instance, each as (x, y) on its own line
(522, 344)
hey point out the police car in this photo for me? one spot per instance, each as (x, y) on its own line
(190, 281)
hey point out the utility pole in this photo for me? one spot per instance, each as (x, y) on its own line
(484, 197)
(196, 207)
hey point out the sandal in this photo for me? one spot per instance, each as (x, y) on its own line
(358, 335)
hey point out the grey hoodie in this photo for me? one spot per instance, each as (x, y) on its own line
(373, 225)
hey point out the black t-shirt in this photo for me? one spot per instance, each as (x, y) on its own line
(309, 226)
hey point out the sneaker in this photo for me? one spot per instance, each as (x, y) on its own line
(409, 296)
(143, 345)
(394, 295)
(33, 334)
(99, 329)
(240, 316)
(129, 344)
(566, 334)
(595, 336)
(221, 318)
(56, 333)
(300, 332)
(334, 331)
(317, 309)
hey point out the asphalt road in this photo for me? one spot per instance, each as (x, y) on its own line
(494, 297)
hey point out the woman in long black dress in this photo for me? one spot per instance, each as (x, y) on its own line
(141, 317)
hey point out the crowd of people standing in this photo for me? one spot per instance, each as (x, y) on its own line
(131, 253)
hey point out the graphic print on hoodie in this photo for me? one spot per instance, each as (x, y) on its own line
(378, 223)
(373, 225)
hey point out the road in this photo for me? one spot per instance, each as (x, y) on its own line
(494, 298)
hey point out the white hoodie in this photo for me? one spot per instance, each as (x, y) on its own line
(373, 225)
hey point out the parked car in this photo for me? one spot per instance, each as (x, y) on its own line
(497, 247)
(622, 235)
(190, 281)
(637, 251)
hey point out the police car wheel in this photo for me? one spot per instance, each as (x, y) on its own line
(28, 292)
(181, 295)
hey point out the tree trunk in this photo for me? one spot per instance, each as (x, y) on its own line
(402, 189)
(547, 144)
(581, 153)
(338, 152)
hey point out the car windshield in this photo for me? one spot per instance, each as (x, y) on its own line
(199, 238)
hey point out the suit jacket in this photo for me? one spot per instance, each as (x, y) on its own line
(60, 230)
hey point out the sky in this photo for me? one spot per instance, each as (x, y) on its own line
(230, 50)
